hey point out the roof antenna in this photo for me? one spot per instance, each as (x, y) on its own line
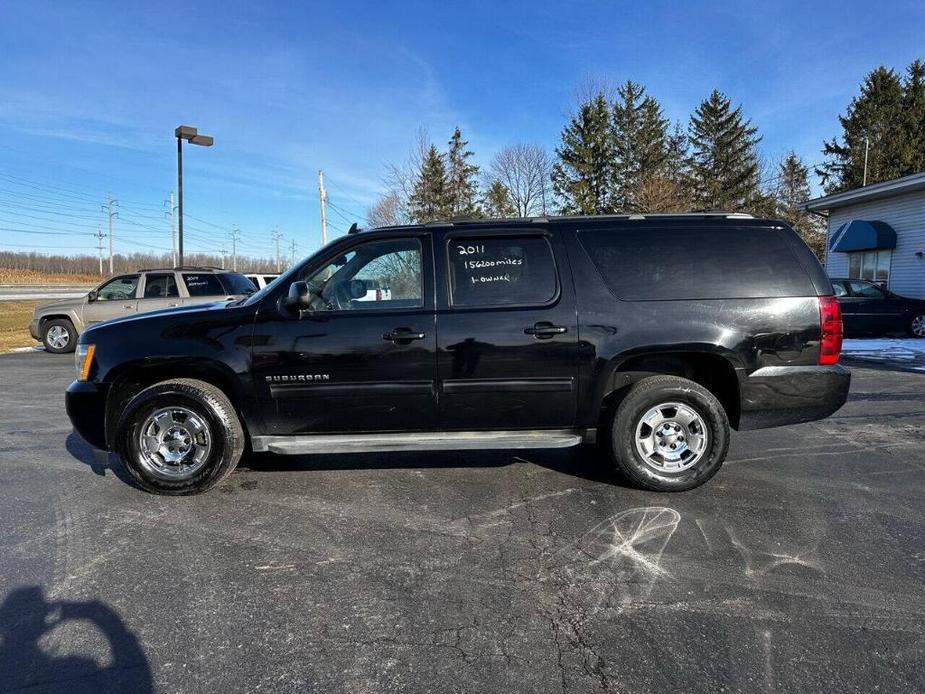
(353, 228)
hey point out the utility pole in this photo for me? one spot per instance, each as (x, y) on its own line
(323, 196)
(292, 247)
(99, 245)
(107, 208)
(276, 237)
(224, 253)
(235, 237)
(866, 152)
(173, 227)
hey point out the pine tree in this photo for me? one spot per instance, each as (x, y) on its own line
(462, 183)
(429, 200)
(874, 123)
(497, 201)
(791, 190)
(913, 109)
(583, 173)
(723, 162)
(640, 135)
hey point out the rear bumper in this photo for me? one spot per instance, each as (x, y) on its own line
(778, 395)
(86, 406)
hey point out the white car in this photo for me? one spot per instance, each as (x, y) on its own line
(260, 280)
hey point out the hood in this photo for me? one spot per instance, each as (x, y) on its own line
(156, 320)
(60, 304)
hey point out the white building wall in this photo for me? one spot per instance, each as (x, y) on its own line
(906, 214)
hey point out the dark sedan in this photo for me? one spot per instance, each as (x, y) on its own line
(869, 309)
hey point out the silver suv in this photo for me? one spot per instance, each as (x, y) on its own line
(58, 324)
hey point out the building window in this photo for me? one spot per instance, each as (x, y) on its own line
(870, 265)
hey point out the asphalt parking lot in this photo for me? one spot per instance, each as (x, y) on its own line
(801, 566)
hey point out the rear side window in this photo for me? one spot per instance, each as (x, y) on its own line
(501, 270)
(639, 264)
(238, 284)
(203, 284)
(159, 286)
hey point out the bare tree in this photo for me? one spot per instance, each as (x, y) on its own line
(388, 211)
(524, 170)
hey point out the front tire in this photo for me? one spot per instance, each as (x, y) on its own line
(669, 434)
(59, 336)
(179, 437)
(917, 326)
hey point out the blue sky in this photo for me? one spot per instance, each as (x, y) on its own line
(90, 93)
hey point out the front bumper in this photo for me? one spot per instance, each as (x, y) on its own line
(86, 406)
(778, 395)
(34, 329)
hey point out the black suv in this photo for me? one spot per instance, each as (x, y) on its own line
(651, 335)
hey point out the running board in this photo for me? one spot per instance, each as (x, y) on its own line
(419, 441)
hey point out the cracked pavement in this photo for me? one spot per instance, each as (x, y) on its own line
(801, 566)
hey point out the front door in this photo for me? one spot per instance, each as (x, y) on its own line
(117, 298)
(358, 362)
(507, 353)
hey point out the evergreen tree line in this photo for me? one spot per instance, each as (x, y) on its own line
(619, 154)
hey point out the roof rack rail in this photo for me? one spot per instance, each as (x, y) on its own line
(180, 267)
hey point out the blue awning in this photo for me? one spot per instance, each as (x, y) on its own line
(861, 235)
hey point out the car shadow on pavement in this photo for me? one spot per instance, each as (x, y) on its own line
(53, 645)
(585, 461)
(96, 460)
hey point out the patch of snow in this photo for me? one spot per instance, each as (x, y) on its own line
(905, 349)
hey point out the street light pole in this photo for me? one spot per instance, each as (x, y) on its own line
(185, 132)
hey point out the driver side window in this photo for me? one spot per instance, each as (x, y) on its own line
(118, 289)
(379, 275)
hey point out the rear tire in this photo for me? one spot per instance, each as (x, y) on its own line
(917, 325)
(669, 434)
(179, 437)
(59, 336)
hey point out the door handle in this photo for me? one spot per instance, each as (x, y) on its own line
(172, 305)
(545, 330)
(403, 335)
(128, 306)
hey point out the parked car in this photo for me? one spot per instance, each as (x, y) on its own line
(58, 324)
(375, 291)
(260, 280)
(871, 310)
(651, 336)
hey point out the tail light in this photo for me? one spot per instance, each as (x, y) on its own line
(378, 295)
(830, 322)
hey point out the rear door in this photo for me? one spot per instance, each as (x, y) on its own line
(507, 332)
(159, 290)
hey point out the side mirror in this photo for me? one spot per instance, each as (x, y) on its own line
(92, 295)
(299, 298)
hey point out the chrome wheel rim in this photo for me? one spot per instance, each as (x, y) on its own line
(671, 437)
(174, 443)
(918, 326)
(57, 336)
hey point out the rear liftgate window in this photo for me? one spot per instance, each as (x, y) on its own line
(690, 263)
(501, 271)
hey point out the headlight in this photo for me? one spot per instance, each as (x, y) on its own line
(84, 358)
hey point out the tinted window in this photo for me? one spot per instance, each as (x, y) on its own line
(203, 284)
(839, 288)
(237, 284)
(501, 270)
(376, 275)
(639, 263)
(159, 286)
(119, 288)
(866, 289)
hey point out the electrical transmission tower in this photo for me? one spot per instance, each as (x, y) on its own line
(99, 245)
(277, 235)
(292, 248)
(323, 197)
(235, 237)
(173, 227)
(107, 208)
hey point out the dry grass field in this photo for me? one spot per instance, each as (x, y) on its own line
(14, 323)
(8, 276)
